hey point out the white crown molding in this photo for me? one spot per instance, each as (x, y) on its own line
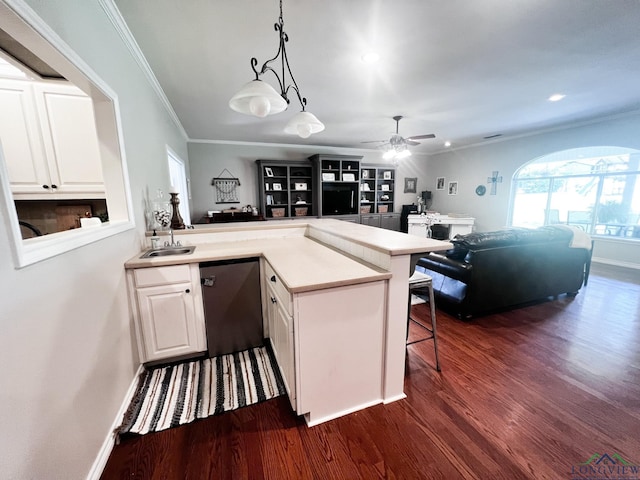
(282, 145)
(121, 27)
(542, 131)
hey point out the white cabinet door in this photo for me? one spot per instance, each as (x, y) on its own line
(20, 138)
(281, 331)
(168, 322)
(70, 138)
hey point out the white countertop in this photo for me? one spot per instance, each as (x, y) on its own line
(303, 263)
(383, 240)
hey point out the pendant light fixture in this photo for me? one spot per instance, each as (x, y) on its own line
(260, 99)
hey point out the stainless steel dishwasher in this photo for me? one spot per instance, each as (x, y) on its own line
(232, 305)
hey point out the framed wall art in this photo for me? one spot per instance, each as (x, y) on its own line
(410, 185)
(440, 183)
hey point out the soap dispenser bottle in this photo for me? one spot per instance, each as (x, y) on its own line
(155, 240)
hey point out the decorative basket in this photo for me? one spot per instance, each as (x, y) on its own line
(277, 212)
(365, 208)
(383, 208)
(301, 211)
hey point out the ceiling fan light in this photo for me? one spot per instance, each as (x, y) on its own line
(403, 154)
(258, 98)
(304, 124)
(389, 154)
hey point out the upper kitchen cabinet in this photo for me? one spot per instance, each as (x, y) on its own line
(49, 140)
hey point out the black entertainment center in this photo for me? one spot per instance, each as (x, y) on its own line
(325, 185)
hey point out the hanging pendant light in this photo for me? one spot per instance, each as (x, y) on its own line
(260, 99)
(304, 124)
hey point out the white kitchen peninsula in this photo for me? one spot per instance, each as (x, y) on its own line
(340, 329)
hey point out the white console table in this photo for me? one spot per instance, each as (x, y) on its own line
(457, 225)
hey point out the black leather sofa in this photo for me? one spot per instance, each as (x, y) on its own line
(491, 271)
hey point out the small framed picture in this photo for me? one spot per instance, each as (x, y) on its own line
(300, 186)
(384, 187)
(269, 199)
(440, 183)
(277, 186)
(328, 177)
(348, 177)
(365, 173)
(268, 172)
(410, 185)
(387, 175)
(453, 188)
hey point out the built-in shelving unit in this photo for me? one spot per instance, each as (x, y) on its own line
(339, 183)
(286, 189)
(377, 195)
(377, 189)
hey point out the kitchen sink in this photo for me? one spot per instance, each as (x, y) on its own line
(168, 251)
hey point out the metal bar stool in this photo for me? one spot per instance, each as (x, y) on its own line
(417, 281)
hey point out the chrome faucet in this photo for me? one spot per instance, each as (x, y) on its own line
(172, 243)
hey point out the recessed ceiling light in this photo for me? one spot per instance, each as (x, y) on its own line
(556, 97)
(447, 144)
(370, 57)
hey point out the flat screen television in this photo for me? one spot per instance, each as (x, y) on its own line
(339, 198)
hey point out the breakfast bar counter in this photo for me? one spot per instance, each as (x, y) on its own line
(334, 297)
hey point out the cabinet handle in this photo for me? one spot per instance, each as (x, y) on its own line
(273, 278)
(54, 186)
(187, 291)
(273, 300)
(45, 186)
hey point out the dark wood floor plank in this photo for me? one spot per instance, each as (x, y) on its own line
(523, 394)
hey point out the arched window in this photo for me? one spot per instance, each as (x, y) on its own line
(594, 188)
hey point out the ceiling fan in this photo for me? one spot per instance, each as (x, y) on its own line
(398, 142)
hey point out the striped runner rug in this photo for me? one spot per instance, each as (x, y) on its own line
(177, 394)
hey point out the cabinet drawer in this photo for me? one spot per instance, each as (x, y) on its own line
(147, 277)
(278, 287)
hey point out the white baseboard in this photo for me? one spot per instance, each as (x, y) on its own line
(402, 396)
(616, 263)
(312, 422)
(107, 446)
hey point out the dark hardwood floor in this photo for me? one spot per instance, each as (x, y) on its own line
(526, 394)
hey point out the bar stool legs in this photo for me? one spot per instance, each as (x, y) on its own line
(420, 280)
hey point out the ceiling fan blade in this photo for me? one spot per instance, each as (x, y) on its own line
(419, 137)
(408, 141)
(375, 141)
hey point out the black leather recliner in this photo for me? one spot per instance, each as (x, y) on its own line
(490, 271)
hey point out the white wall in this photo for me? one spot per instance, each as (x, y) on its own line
(208, 160)
(66, 347)
(472, 166)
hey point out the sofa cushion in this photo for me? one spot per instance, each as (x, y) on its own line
(511, 236)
